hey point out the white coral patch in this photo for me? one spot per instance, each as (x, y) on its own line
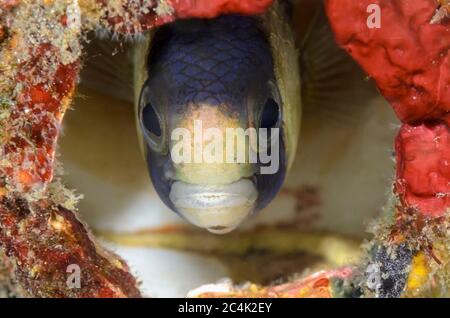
(73, 13)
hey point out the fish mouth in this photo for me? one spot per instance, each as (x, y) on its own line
(218, 208)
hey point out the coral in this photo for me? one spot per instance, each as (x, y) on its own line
(8, 284)
(423, 171)
(210, 9)
(39, 64)
(45, 241)
(409, 59)
(318, 285)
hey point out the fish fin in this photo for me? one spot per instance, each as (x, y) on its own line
(334, 87)
(108, 68)
(302, 15)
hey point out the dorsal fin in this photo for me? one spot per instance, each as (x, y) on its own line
(108, 68)
(333, 85)
(303, 13)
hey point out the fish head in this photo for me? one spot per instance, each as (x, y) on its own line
(212, 127)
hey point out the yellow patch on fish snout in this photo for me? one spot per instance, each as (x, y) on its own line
(212, 145)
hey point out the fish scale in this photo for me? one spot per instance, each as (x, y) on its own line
(211, 62)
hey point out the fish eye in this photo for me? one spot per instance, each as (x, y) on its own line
(270, 114)
(151, 120)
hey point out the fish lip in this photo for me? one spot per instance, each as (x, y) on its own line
(209, 200)
(217, 208)
(212, 196)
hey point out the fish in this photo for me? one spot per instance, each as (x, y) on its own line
(232, 73)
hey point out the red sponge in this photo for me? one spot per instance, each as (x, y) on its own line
(131, 17)
(423, 167)
(213, 8)
(409, 59)
(407, 56)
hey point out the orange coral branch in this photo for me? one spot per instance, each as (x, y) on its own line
(45, 240)
(33, 126)
(42, 239)
(317, 285)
